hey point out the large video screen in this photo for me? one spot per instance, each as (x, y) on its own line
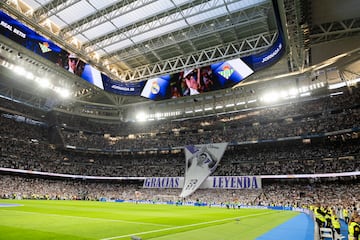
(197, 80)
(185, 83)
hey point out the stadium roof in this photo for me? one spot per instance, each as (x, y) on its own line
(134, 40)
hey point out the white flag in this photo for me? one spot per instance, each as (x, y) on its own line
(201, 161)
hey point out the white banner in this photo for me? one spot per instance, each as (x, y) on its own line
(201, 161)
(233, 182)
(219, 182)
(164, 182)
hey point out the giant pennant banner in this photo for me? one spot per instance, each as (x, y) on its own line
(201, 161)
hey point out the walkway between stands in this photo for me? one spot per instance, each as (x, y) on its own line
(344, 229)
(300, 227)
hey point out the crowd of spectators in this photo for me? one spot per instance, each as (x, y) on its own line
(24, 110)
(329, 143)
(293, 157)
(52, 189)
(305, 119)
(25, 146)
(275, 193)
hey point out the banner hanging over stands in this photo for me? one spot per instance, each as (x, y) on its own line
(211, 182)
(201, 161)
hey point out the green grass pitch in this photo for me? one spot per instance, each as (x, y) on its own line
(38, 219)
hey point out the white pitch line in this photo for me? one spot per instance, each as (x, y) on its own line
(90, 218)
(183, 226)
(6, 205)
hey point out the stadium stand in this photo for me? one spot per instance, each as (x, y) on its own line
(310, 137)
(305, 147)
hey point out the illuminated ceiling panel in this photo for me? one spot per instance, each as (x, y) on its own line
(99, 30)
(100, 4)
(76, 12)
(142, 13)
(159, 31)
(239, 5)
(122, 44)
(144, 34)
(33, 4)
(60, 23)
(205, 16)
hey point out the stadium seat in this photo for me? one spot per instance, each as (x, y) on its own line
(338, 236)
(326, 233)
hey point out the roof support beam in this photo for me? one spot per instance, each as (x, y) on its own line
(153, 23)
(334, 30)
(204, 57)
(181, 36)
(103, 16)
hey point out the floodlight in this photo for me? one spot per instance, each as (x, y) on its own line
(64, 93)
(44, 83)
(20, 70)
(230, 105)
(293, 92)
(141, 116)
(270, 97)
(30, 76)
(305, 94)
(284, 94)
(337, 85)
(336, 93)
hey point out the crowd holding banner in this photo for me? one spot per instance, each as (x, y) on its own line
(211, 182)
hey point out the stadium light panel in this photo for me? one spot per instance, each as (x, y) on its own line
(284, 94)
(44, 83)
(64, 93)
(305, 94)
(293, 92)
(30, 76)
(240, 103)
(270, 97)
(337, 85)
(20, 71)
(141, 116)
(304, 89)
(336, 93)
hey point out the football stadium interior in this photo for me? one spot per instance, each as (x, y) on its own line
(179, 119)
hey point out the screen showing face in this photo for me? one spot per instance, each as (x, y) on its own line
(197, 80)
